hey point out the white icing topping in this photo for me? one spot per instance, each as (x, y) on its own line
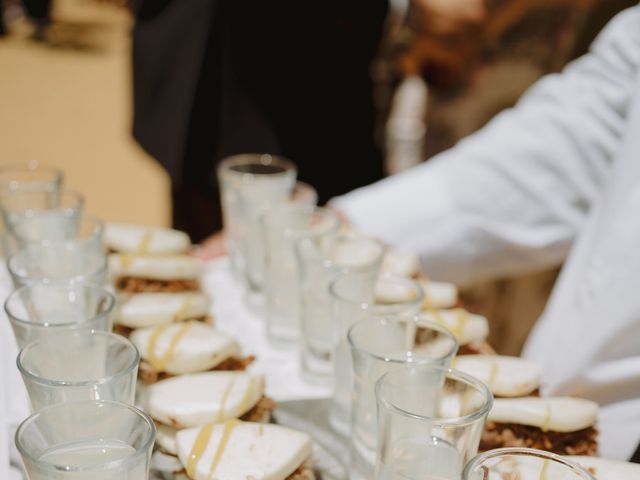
(150, 309)
(128, 238)
(401, 263)
(195, 399)
(201, 348)
(559, 414)
(175, 267)
(250, 450)
(605, 469)
(505, 376)
(467, 327)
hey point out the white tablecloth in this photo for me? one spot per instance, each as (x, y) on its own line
(279, 364)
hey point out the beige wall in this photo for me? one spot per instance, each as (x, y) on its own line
(68, 105)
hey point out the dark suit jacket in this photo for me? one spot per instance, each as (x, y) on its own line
(218, 77)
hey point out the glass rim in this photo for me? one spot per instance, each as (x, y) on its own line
(480, 458)
(67, 245)
(31, 166)
(443, 422)
(333, 290)
(423, 361)
(111, 337)
(47, 466)
(225, 165)
(106, 294)
(67, 192)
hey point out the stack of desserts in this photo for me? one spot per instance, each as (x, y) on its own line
(192, 378)
(441, 305)
(520, 417)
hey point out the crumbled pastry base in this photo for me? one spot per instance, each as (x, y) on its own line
(148, 285)
(302, 473)
(499, 435)
(147, 374)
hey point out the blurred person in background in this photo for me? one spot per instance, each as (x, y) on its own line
(555, 179)
(214, 78)
(39, 12)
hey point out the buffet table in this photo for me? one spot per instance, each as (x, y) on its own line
(301, 404)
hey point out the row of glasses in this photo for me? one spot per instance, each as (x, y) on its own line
(80, 377)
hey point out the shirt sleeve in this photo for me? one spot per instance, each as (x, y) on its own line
(511, 198)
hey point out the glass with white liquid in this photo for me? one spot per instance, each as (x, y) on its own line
(248, 184)
(430, 420)
(96, 440)
(78, 366)
(523, 464)
(284, 225)
(354, 298)
(320, 261)
(39, 310)
(57, 208)
(380, 345)
(67, 261)
(55, 227)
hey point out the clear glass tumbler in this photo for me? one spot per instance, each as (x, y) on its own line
(85, 365)
(29, 176)
(39, 310)
(248, 183)
(68, 261)
(57, 209)
(95, 439)
(380, 345)
(354, 298)
(320, 260)
(430, 420)
(85, 229)
(523, 463)
(284, 225)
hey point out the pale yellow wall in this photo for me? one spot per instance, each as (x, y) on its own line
(69, 106)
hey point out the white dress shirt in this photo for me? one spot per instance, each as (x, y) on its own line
(557, 178)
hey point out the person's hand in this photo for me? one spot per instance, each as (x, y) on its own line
(212, 247)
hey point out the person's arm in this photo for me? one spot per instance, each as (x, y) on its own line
(511, 198)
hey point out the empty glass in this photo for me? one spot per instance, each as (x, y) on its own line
(68, 261)
(85, 229)
(76, 366)
(355, 298)
(39, 310)
(58, 209)
(320, 261)
(95, 439)
(523, 463)
(248, 183)
(380, 345)
(430, 420)
(284, 225)
(29, 176)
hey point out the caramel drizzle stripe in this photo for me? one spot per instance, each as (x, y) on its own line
(159, 363)
(199, 446)
(224, 441)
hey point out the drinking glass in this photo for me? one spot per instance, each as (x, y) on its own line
(74, 366)
(248, 182)
(29, 176)
(320, 260)
(58, 209)
(39, 310)
(85, 229)
(94, 439)
(523, 463)
(430, 420)
(68, 261)
(380, 345)
(284, 225)
(354, 298)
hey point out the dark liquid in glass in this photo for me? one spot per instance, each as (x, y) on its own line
(258, 169)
